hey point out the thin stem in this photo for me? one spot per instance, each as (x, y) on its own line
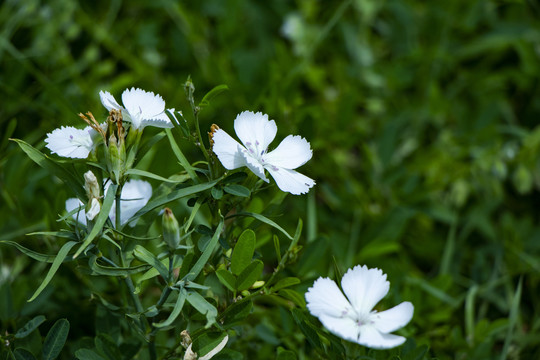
(143, 324)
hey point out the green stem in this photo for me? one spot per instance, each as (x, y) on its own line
(143, 324)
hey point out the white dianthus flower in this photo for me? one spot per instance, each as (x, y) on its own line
(352, 317)
(256, 133)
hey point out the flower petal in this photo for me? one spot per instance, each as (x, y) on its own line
(74, 203)
(227, 150)
(95, 207)
(135, 194)
(325, 298)
(109, 101)
(290, 180)
(71, 142)
(254, 129)
(291, 153)
(345, 327)
(394, 318)
(364, 287)
(252, 163)
(160, 121)
(215, 350)
(370, 337)
(142, 105)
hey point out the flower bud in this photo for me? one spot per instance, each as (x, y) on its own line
(171, 230)
(91, 185)
(94, 208)
(116, 158)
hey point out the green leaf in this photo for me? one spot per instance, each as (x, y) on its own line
(203, 306)
(306, 328)
(226, 278)
(286, 355)
(114, 271)
(235, 313)
(212, 94)
(283, 283)
(207, 342)
(173, 196)
(87, 354)
(107, 347)
(513, 319)
(61, 234)
(30, 326)
(55, 339)
(54, 267)
(176, 310)
(237, 190)
(100, 219)
(150, 175)
(187, 262)
(217, 193)
(181, 158)
(243, 252)
(30, 253)
(294, 296)
(203, 259)
(23, 354)
(147, 145)
(263, 219)
(146, 256)
(277, 247)
(56, 169)
(250, 274)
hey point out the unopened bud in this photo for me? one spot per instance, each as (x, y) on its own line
(257, 284)
(117, 155)
(94, 209)
(171, 230)
(91, 186)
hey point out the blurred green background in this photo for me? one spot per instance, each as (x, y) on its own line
(423, 117)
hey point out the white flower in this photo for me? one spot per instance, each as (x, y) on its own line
(95, 207)
(190, 355)
(353, 317)
(135, 194)
(257, 132)
(71, 142)
(140, 107)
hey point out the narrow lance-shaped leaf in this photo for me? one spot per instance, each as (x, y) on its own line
(172, 196)
(56, 169)
(55, 339)
(31, 253)
(114, 271)
(203, 259)
(264, 219)
(149, 175)
(176, 310)
(146, 256)
(181, 158)
(203, 306)
(100, 220)
(54, 267)
(212, 94)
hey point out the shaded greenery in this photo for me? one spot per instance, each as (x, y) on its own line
(422, 117)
